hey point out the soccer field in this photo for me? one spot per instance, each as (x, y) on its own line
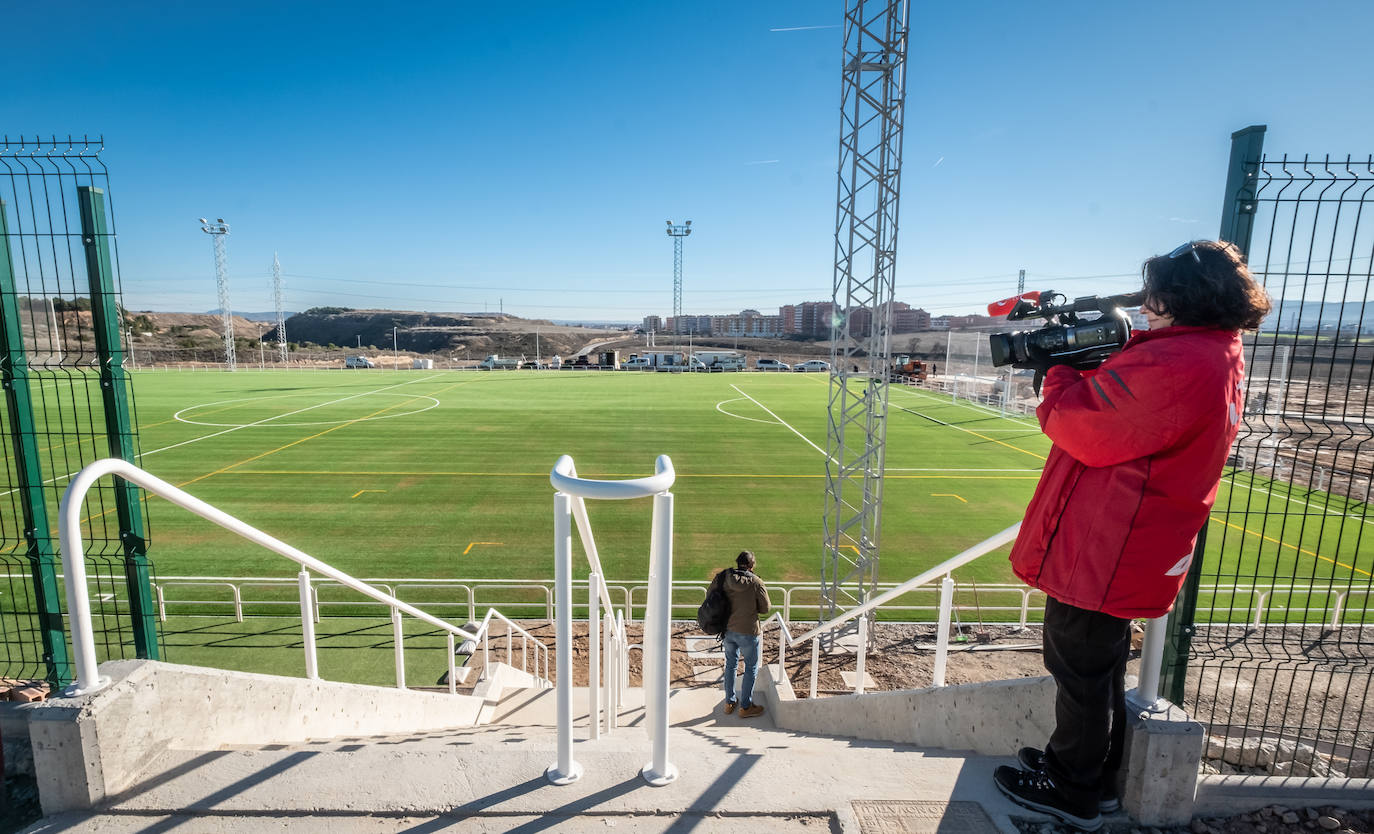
(444, 474)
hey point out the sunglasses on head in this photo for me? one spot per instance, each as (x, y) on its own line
(1189, 248)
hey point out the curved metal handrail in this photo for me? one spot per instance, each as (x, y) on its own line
(564, 479)
(74, 565)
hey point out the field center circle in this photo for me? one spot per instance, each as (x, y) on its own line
(274, 421)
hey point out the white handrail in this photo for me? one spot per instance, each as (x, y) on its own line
(985, 546)
(1146, 693)
(569, 503)
(564, 479)
(74, 565)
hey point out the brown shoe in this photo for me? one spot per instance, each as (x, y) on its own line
(729, 707)
(751, 711)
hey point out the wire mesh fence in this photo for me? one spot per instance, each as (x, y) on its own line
(1291, 530)
(62, 369)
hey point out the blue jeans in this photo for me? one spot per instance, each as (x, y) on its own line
(737, 645)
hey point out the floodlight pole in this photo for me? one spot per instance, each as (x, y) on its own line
(677, 233)
(395, 349)
(217, 231)
(281, 317)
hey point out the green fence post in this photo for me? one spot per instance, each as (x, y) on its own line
(114, 390)
(1237, 223)
(14, 376)
(1242, 183)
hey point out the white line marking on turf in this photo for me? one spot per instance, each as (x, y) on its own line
(780, 420)
(741, 416)
(1230, 479)
(434, 403)
(143, 455)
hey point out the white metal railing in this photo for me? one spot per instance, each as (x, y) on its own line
(569, 503)
(78, 594)
(796, 600)
(1146, 694)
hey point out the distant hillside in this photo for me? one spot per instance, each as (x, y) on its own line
(445, 334)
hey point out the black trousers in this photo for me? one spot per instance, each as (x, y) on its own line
(1086, 653)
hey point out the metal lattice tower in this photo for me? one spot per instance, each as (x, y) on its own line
(281, 317)
(677, 233)
(871, 114)
(217, 231)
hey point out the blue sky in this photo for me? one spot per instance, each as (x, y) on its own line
(463, 156)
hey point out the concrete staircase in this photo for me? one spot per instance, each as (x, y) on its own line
(491, 778)
(736, 774)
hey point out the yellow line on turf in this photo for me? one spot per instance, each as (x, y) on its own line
(468, 549)
(477, 474)
(992, 439)
(948, 495)
(361, 491)
(1292, 546)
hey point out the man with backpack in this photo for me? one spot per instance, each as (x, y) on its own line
(748, 601)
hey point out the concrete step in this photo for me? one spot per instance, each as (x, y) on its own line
(492, 778)
(685, 705)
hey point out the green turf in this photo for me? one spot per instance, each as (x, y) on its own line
(445, 474)
(379, 480)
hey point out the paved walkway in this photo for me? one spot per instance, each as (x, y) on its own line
(736, 774)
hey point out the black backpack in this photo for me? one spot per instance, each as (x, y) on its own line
(714, 613)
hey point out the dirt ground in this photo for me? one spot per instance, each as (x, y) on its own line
(902, 658)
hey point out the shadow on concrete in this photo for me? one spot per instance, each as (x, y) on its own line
(209, 802)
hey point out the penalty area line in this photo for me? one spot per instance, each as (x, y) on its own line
(781, 421)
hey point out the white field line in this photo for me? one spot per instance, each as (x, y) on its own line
(781, 421)
(980, 409)
(1309, 505)
(741, 416)
(143, 455)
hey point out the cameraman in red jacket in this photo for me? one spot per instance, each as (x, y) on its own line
(1139, 446)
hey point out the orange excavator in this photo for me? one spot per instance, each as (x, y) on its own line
(907, 369)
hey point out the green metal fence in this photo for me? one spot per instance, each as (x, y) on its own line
(1282, 678)
(68, 402)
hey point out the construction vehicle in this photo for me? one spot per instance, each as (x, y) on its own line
(906, 369)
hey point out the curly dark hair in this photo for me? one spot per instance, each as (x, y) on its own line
(1213, 288)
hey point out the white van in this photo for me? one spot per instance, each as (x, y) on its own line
(720, 360)
(655, 362)
(358, 362)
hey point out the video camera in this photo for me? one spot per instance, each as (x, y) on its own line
(1064, 340)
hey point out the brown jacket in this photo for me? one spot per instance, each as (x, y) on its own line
(748, 600)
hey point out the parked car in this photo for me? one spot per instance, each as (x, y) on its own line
(358, 362)
(812, 365)
(771, 365)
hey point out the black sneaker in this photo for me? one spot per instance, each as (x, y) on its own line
(1033, 758)
(1033, 789)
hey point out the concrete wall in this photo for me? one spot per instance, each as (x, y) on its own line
(94, 746)
(993, 718)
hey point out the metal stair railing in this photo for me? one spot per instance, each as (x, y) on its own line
(88, 678)
(1146, 694)
(569, 504)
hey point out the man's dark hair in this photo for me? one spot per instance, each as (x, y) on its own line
(1213, 289)
(745, 559)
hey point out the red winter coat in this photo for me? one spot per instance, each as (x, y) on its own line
(1139, 445)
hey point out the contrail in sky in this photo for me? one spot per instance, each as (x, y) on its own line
(764, 162)
(937, 162)
(803, 28)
